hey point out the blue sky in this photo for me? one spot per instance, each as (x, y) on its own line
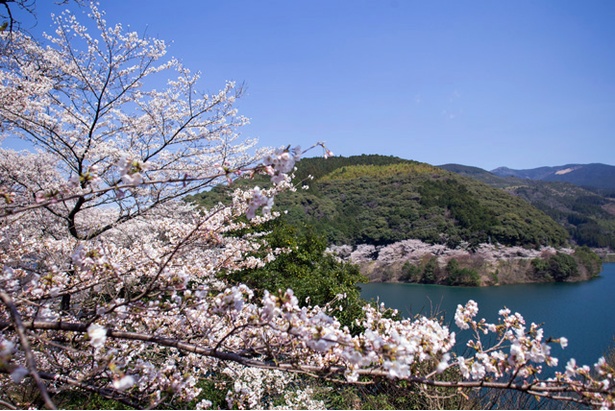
(484, 83)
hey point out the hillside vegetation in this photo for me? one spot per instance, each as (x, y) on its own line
(587, 215)
(380, 200)
(378, 203)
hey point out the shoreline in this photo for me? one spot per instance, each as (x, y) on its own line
(413, 261)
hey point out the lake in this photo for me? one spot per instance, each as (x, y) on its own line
(582, 312)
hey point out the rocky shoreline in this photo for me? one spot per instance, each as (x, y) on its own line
(489, 264)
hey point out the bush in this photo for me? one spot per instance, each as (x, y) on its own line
(563, 267)
(430, 271)
(461, 276)
(411, 273)
(588, 260)
(315, 277)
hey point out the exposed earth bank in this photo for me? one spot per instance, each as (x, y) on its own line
(414, 261)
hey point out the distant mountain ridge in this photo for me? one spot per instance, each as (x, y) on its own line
(595, 175)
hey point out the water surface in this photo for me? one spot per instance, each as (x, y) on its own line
(582, 312)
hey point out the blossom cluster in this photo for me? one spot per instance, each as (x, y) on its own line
(130, 171)
(7, 351)
(259, 388)
(258, 200)
(527, 349)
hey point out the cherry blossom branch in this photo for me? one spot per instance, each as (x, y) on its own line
(25, 345)
(541, 388)
(57, 198)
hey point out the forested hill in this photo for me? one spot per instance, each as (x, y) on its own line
(381, 200)
(588, 215)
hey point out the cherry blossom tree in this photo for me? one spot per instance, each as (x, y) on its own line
(111, 284)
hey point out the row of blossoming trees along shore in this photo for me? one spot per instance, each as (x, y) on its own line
(113, 286)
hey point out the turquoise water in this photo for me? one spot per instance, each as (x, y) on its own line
(582, 312)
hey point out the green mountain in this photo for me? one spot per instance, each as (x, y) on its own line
(587, 215)
(380, 200)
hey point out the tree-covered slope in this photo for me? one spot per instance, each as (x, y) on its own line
(380, 200)
(588, 216)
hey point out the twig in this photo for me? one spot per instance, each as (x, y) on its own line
(8, 405)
